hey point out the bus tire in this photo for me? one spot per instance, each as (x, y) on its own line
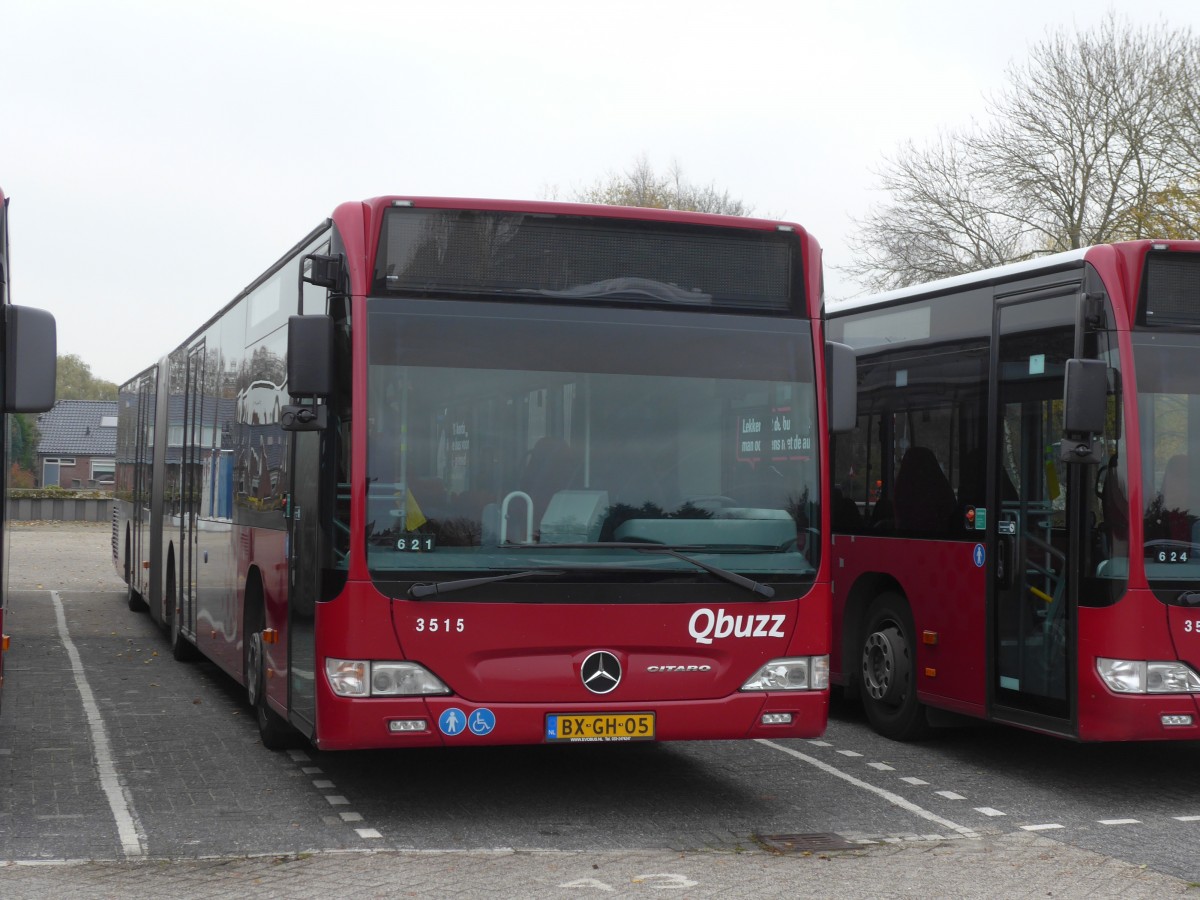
(134, 601)
(273, 729)
(888, 683)
(182, 649)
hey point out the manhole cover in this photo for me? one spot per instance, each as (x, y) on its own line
(800, 843)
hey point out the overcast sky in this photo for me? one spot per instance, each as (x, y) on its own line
(159, 155)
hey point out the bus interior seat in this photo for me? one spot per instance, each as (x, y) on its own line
(551, 466)
(925, 502)
(573, 516)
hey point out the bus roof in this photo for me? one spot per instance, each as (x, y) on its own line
(1068, 260)
(557, 207)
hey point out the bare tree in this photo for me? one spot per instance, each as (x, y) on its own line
(1096, 138)
(641, 186)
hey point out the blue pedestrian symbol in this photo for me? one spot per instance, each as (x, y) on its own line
(482, 721)
(452, 721)
(979, 556)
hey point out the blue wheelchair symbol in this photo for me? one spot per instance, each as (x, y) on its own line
(452, 721)
(482, 721)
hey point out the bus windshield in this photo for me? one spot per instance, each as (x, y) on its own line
(505, 437)
(1169, 415)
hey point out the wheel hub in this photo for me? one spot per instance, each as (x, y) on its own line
(884, 665)
(254, 668)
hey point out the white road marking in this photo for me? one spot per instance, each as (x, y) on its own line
(851, 753)
(351, 817)
(129, 827)
(1040, 827)
(988, 811)
(323, 784)
(882, 767)
(895, 799)
(1120, 821)
(914, 781)
(1187, 818)
(368, 833)
(950, 795)
(336, 800)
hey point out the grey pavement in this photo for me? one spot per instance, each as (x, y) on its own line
(50, 766)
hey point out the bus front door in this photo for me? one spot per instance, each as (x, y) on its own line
(1031, 599)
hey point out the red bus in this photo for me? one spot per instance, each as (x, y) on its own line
(26, 384)
(467, 472)
(1016, 534)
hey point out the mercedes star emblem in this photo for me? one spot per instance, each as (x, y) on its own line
(601, 673)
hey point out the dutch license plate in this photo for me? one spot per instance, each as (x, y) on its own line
(600, 727)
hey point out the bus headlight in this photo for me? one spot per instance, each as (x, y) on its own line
(797, 673)
(1136, 676)
(361, 678)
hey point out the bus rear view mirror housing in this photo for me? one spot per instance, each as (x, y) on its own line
(1085, 409)
(310, 356)
(841, 367)
(309, 371)
(31, 358)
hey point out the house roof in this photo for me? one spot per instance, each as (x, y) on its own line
(79, 428)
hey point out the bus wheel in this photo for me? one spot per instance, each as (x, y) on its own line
(889, 682)
(275, 732)
(182, 649)
(134, 601)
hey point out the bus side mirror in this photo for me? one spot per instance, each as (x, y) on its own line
(30, 359)
(309, 372)
(324, 271)
(310, 356)
(1085, 409)
(841, 375)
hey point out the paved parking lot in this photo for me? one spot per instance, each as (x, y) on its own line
(158, 784)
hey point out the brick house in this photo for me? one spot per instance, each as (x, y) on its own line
(78, 444)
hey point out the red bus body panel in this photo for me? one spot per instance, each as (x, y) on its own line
(1138, 627)
(946, 592)
(522, 663)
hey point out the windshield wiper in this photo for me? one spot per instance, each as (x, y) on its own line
(431, 589)
(756, 587)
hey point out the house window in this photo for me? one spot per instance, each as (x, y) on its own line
(103, 470)
(51, 467)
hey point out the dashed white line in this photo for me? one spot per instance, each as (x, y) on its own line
(1040, 827)
(914, 781)
(988, 811)
(129, 827)
(882, 767)
(1120, 821)
(1187, 818)
(950, 795)
(886, 795)
(325, 784)
(821, 743)
(851, 753)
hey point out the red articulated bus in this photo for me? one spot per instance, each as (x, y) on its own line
(1017, 514)
(460, 472)
(27, 385)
